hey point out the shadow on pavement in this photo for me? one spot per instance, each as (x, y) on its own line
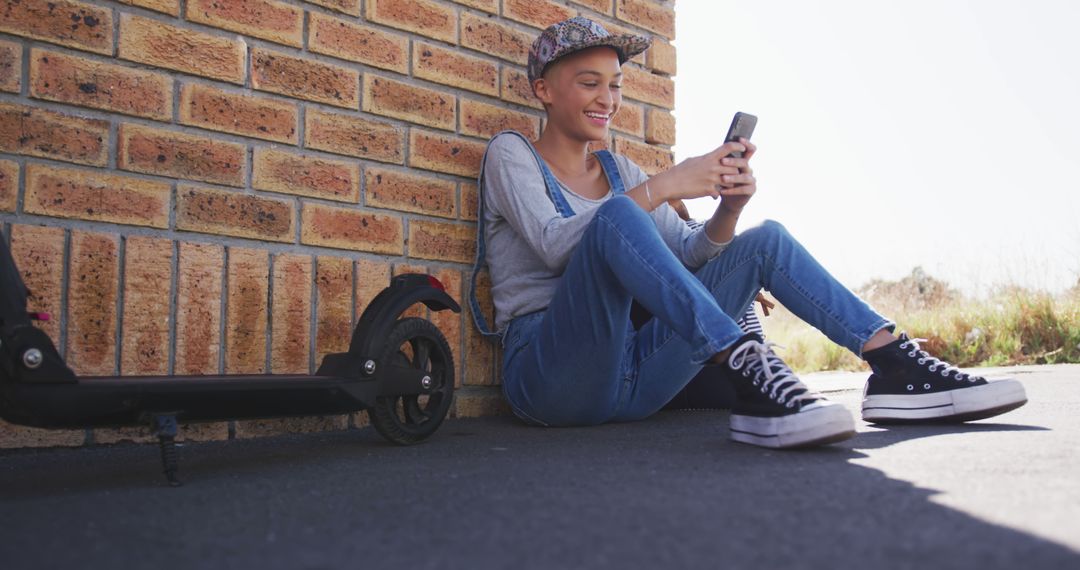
(668, 492)
(886, 435)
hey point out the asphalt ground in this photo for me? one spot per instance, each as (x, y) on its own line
(670, 492)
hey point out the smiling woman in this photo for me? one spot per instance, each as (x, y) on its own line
(572, 238)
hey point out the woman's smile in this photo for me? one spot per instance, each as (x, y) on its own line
(597, 118)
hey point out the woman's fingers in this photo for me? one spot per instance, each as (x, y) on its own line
(750, 147)
(726, 149)
(740, 190)
(738, 179)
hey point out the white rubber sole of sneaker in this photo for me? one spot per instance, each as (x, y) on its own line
(822, 425)
(959, 405)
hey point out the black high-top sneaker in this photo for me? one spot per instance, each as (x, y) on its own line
(774, 408)
(908, 385)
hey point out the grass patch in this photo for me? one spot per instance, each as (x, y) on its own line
(1011, 326)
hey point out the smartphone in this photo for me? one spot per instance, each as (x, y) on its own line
(742, 126)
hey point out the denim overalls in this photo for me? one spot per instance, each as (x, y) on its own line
(611, 171)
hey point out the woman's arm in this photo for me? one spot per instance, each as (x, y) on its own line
(514, 189)
(692, 246)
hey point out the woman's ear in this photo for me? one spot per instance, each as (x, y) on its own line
(540, 89)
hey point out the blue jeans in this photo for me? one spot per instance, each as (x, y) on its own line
(579, 362)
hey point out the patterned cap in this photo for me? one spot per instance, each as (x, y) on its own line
(576, 34)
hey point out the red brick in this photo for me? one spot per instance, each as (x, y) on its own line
(537, 13)
(475, 402)
(291, 314)
(282, 73)
(660, 127)
(355, 42)
(479, 350)
(448, 321)
(39, 253)
(470, 201)
(246, 310)
(487, 35)
(275, 21)
(234, 214)
(156, 43)
(351, 7)
(9, 185)
(648, 14)
(643, 86)
(602, 6)
(229, 112)
(403, 268)
(10, 66)
(180, 155)
(306, 175)
(516, 88)
(201, 431)
(455, 69)
(333, 317)
(442, 241)
(74, 24)
(79, 81)
(92, 295)
(354, 136)
(145, 328)
(442, 153)
(344, 228)
(37, 132)
(198, 308)
(92, 195)
(407, 102)
(371, 278)
(484, 121)
(170, 7)
(651, 159)
(629, 119)
(423, 17)
(18, 437)
(661, 57)
(407, 192)
(489, 6)
(246, 429)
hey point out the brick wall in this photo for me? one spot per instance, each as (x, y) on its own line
(205, 186)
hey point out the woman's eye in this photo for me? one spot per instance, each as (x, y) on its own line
(589, 84)
(616, 86)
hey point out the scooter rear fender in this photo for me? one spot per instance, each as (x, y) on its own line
(404, 291)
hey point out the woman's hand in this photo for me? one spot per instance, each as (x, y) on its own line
(766, 304)
(698, 176)
(738, 188)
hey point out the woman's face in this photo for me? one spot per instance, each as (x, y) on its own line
(582, 91)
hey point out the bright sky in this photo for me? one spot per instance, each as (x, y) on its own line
(892, 133)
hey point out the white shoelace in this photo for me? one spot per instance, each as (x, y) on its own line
(933, 363)
(757, 359)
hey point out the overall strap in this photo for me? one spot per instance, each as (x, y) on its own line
(557, 198)
(611, 170)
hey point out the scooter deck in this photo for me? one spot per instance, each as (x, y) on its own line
(128, 400)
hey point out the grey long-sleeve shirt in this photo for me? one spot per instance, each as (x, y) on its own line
(529, 243)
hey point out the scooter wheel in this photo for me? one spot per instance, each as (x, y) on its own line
(406, 420)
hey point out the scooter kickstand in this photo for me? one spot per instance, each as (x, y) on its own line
(164, 427)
